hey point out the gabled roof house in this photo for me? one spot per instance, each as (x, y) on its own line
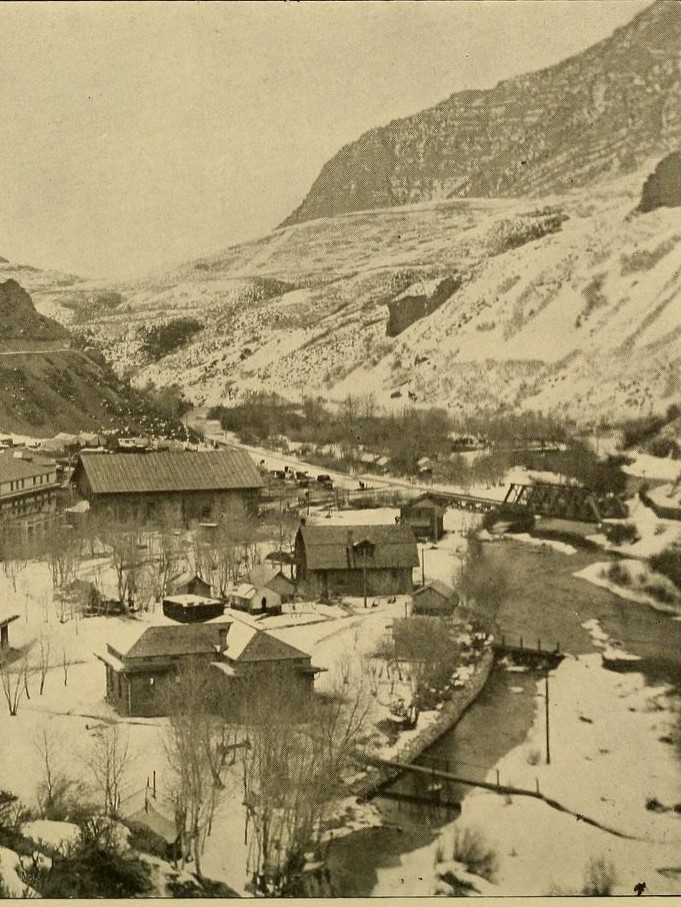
(238, 652)
(352, 560)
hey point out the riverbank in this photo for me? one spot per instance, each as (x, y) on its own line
(446, 718)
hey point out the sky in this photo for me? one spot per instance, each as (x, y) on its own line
(137, 135)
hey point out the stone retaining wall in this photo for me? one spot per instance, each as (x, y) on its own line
(450, 715)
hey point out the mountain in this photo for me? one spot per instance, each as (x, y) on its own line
(47, 383)
(604, 112)
(566, 304)
(517, 248)
(20, 324)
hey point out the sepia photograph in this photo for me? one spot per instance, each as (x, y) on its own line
(340, 449)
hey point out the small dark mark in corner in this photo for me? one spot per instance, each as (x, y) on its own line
(639, 888)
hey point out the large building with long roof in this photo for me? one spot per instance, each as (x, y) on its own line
(186, 486)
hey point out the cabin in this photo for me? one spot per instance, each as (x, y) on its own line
(28, 488)
(282, 586)
(188, 583)
(186, 487)
(137, 678)
(356, 560)
(254, 599)
(434, 599)
(192, 609)
(425, 515)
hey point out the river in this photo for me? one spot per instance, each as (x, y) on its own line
(544, 601)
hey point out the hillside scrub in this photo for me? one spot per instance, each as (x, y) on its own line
(668, 563)
(636, 432)
(162, 339)
(406, 436)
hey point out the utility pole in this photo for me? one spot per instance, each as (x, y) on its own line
(364, 581)
(423, 564)
(546, 697)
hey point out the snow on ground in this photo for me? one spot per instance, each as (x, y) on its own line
(595, 772)
(69, 715)
(53, 834)
(649, 467)
(640, 575)
(563, 547)
(655, 533)
(8, 863)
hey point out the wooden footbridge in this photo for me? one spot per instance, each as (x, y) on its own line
(534, 657)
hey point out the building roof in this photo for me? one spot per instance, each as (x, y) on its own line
(186, 577)
(423, 500)
(280, 583)
(243, 644)
(190, 601)
(442, 589)
(247, 644)
(167, 641)
(169, 470)
(4, 621)
(26, 466)
(331, 547)
(161, 825)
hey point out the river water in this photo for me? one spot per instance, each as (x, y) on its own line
(544, 602)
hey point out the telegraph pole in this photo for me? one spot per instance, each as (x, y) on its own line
(546, 697)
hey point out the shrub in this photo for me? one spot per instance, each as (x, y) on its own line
(91, 867)
(162, 339)
(621, 533)
(470, 848)
(619, 574)
(599, 878)
(594, 297)
(668, 563)
(534, 757)
(660, 592)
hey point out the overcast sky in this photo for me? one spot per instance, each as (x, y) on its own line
(136, 135)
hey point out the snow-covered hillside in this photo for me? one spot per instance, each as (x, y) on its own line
(570, 305)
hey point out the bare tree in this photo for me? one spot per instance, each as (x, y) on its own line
(62, 551)
(292, 769)
(43, 660)
(59, 795)
(196, 746)
(482, 584)
(124, 539)
(14, 680)
(220, 550)
(166, 554)
(109, 762)
(14, 552)
(51, 785)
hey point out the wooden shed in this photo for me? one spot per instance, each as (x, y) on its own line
(192, 609)
(425, 515)
(435, 599)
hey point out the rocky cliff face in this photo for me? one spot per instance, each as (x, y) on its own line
(663, 186)
(603, 112)
(19, 320)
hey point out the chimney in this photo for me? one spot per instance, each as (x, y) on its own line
(222, 633)
(349, 550)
